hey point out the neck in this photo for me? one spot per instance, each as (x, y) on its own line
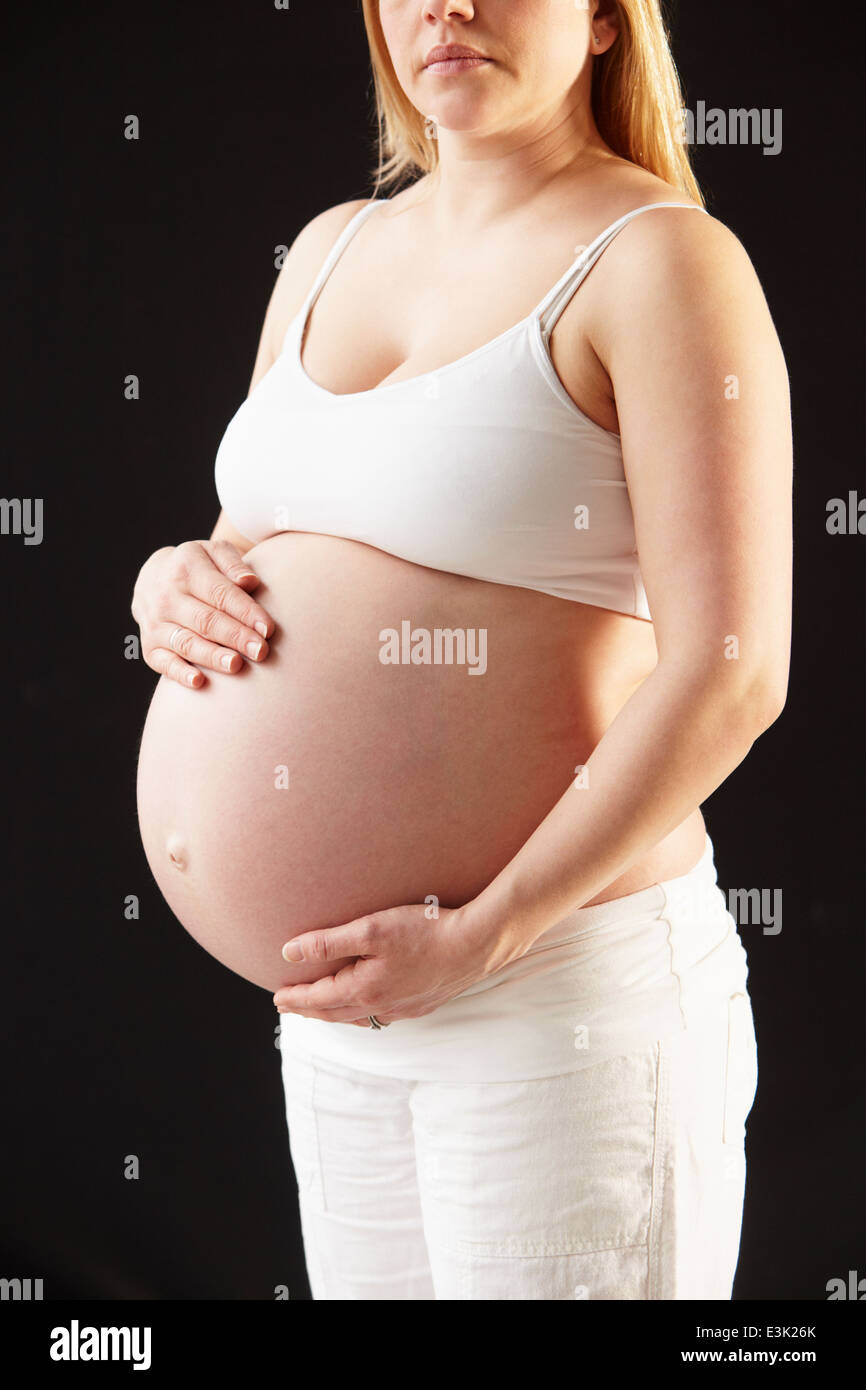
(482, 177)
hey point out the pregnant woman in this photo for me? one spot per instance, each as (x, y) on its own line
(498, 596)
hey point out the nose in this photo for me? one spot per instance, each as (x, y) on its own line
(440, 11)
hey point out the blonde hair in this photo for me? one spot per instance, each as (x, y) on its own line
(637, 103)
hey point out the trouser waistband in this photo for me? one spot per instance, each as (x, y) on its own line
(606, 979)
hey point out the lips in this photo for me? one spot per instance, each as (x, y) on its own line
(452, 52)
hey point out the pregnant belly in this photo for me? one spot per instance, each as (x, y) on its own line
(327, 783)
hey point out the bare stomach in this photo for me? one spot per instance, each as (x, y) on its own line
(328, 783)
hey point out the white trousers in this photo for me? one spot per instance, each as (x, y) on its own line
(574, 1127)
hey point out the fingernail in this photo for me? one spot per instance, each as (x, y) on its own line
(226, 661)
(293, 950)
(254, 650)
(262, 628)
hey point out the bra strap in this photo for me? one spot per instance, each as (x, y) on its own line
(552, 305)
(336, 252)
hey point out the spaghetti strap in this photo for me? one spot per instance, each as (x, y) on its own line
(336, 252)
(552, 305)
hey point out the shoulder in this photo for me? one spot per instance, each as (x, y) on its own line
(667, 224)
(655, 236)
(304, 260)
(674, 267)
(683, 249)
(316, 237)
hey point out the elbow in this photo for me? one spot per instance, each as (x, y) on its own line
(737, 699)
(763, 700)
(744, 701)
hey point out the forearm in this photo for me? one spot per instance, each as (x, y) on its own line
(670, 746)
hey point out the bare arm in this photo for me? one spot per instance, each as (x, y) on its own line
(703, 402)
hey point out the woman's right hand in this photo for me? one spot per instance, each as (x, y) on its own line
(193, 609)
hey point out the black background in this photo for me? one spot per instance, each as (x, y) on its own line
(157, 257)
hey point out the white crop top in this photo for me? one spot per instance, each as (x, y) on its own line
(484, 467)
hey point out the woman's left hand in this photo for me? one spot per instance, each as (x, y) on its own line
(408, 964)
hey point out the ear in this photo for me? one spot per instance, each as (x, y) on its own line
(603, 26)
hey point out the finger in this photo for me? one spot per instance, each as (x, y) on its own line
(332, 992)
(198, 650)
(229, 585)
(195, 649)
(168, 664)
(203, 580)
(359, 938)
(219, 629)
(229, 559)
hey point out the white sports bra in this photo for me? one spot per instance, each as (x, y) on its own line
(484, 467)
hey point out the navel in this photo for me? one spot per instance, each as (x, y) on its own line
(177, 851)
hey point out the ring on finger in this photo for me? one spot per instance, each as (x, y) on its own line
(172, 637)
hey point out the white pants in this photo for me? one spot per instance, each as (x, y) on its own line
(573, 1127)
